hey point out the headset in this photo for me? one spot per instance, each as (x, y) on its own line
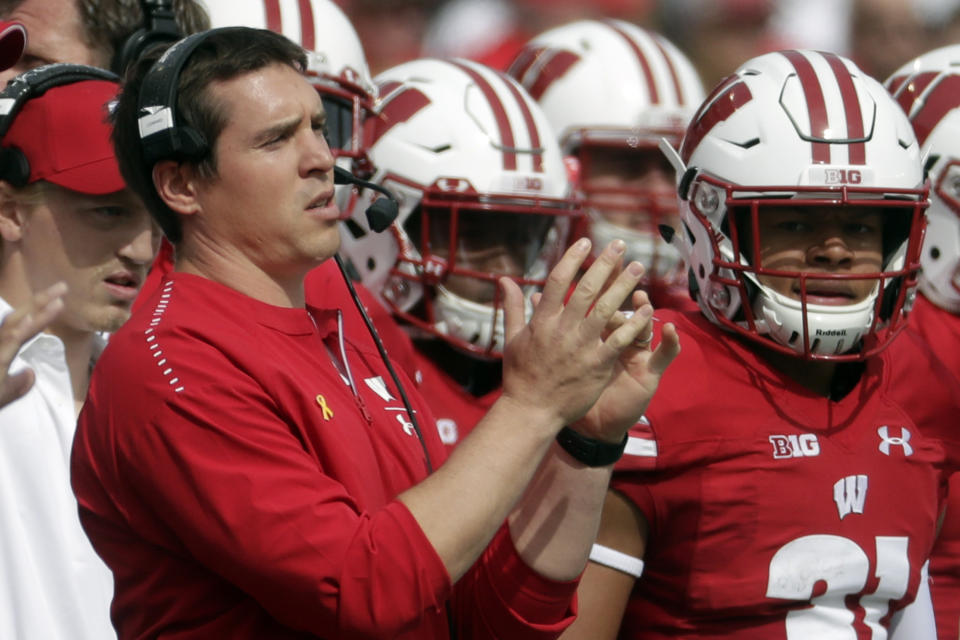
(14, 165)
(163, 137)
(159, 27)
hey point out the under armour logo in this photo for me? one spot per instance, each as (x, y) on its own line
(406, 424)
(898, 441)
(327, 411)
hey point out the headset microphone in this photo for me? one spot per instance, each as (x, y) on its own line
(380, 214)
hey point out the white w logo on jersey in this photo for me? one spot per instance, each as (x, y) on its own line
(850, 494)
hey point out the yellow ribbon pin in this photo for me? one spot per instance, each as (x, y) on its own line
(327, 411)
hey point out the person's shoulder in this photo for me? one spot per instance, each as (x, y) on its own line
(706, 351)
(182, 319)
(916, 379)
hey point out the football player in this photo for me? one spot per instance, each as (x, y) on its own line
(611, 90)
(483, 194)
(776, 488)
(928, 89)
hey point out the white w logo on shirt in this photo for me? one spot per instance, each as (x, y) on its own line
(850, 494)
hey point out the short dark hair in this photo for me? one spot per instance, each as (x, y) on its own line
(108, 23)
(224, 54)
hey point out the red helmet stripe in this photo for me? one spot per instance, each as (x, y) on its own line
(271, 9)
(307, 36)
(681, 99)
(507, 141)
(723, 102)
(642, 59)
(895, 84)
(816, 105)
(936, 104)
(398, 108)
(524, 60)
(531, 126)
(851, 107)
(557, 63)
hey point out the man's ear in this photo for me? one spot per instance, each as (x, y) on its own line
(12, 214)
(176, 184)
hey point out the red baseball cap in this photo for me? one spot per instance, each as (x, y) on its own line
(65, 136)
(13, 40)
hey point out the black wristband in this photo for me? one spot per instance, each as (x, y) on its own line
(593, 453)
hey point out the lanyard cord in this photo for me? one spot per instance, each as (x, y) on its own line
(386, 360)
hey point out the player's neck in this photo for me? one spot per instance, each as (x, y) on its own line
(832, 380)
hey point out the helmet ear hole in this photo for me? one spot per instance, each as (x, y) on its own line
(683, 189)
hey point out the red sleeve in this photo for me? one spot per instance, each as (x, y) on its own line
(501, 597)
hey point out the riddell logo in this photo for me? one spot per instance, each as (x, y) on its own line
(831, 332)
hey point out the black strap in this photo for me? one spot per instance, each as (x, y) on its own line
(591, 452)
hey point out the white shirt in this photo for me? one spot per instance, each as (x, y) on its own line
(52, 584)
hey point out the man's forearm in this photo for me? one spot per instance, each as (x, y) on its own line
(556, 521)
(463, 504)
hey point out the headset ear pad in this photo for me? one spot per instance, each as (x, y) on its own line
(14, 166)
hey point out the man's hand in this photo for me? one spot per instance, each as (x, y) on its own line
(636, 376)
(572, 352)
(18, 327)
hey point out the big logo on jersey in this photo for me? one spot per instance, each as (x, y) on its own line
(795, 446)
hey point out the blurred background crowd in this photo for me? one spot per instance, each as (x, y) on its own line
(879, 35)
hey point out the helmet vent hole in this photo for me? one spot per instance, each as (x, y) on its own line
(702, 271)
(815, 345)
(371, 264)
(935, 253)
(355, 229)
(793, 337)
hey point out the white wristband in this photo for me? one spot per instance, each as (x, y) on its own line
(616, 560)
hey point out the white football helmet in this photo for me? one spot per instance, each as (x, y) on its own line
(335, 62)
(798, 129)
(479, 175)
(611, 85)
(928, 89)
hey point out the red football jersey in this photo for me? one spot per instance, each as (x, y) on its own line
(776, 513)
(941, 330)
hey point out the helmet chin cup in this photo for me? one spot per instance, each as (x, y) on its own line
(831, 330)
